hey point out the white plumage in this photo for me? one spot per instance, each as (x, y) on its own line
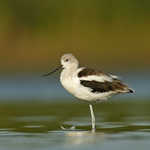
(72, 82)
(88, 84)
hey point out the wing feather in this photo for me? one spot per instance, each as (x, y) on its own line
(99, 81)
(116, 86)
(91, 74)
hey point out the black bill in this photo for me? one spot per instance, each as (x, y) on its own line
(53, 71)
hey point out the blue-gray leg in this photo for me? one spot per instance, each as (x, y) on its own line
(92, 117)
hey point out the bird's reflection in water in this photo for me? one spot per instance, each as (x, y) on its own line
(83, 137)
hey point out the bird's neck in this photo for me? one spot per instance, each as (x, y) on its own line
(72, 67)
(69, 71)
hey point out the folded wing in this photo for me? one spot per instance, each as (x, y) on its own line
(99, 82)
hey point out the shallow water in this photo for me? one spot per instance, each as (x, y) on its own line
(120, 124)
(33, 109)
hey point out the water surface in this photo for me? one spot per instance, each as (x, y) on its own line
(33, 109)
(120, 125)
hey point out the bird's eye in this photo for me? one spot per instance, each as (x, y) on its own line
(66, 60)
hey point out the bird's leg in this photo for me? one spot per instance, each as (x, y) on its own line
(92, 117)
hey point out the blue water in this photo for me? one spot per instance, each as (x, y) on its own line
(34, 121)
(36, 87)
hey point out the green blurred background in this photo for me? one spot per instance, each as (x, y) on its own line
(110, 34)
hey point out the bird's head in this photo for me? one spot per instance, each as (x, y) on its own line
(69, 61)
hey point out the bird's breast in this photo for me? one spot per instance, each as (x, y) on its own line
(68, 81)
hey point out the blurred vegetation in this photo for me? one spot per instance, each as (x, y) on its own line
(104, 33)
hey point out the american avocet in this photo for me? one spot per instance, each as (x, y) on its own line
(88, 84)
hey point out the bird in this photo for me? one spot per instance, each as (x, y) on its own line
(88, 85)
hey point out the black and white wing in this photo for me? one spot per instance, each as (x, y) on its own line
(99, 82)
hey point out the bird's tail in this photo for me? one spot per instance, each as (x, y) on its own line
(121, 87)
(131, 90)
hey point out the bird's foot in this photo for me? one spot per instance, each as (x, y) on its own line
(70, 128)
(93, 130)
